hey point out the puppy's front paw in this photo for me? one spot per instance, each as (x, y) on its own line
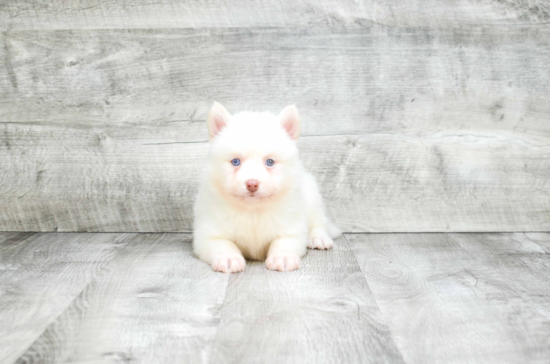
(319, 239)
(228, 262)
(282, 260)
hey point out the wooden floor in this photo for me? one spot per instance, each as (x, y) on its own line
(380, 298)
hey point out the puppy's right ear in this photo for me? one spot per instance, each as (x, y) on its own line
(217, 119)
(290, 121)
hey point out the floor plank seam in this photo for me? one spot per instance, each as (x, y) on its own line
(524, 298)
(392, 336)
(220, 320)
(93, 280)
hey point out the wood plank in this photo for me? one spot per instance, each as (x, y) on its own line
(67, 14)
(143, 180)
(520, 258)
(345, 81)
(40, 274)
(445, 306)
(155, 303)
(322, 313)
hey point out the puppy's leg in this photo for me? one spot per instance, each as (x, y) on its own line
(223, 255)
(284, 254)
(321, 230)
(319, 239)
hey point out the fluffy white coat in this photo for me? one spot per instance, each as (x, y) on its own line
(247, 208)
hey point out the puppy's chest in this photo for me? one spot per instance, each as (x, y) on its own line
(252, 227)
(253, 232)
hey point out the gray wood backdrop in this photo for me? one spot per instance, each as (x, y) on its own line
(422, 115)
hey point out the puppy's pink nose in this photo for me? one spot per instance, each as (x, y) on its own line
(252, 185)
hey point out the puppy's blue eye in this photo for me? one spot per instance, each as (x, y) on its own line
(270, 162)
(236, 162)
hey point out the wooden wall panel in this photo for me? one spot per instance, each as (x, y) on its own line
(145, 179)
(406, 81)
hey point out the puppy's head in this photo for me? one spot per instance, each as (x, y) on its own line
(253, 156)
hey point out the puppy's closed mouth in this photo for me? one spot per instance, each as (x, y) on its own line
(253, 195)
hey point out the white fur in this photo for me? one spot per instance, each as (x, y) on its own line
(278, 221)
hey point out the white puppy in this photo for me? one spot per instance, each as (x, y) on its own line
(255, 199)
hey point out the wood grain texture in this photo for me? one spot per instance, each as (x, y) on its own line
(433, 292)
(522, 259)
(542, 239)
(322, 313)
(95, 180)
(8, 239)
(40, 274)
(67, 14)
(407, 129)
(155, 303)
(345, 81)
(415, 298)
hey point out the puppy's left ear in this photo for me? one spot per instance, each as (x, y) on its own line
(290, 121)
